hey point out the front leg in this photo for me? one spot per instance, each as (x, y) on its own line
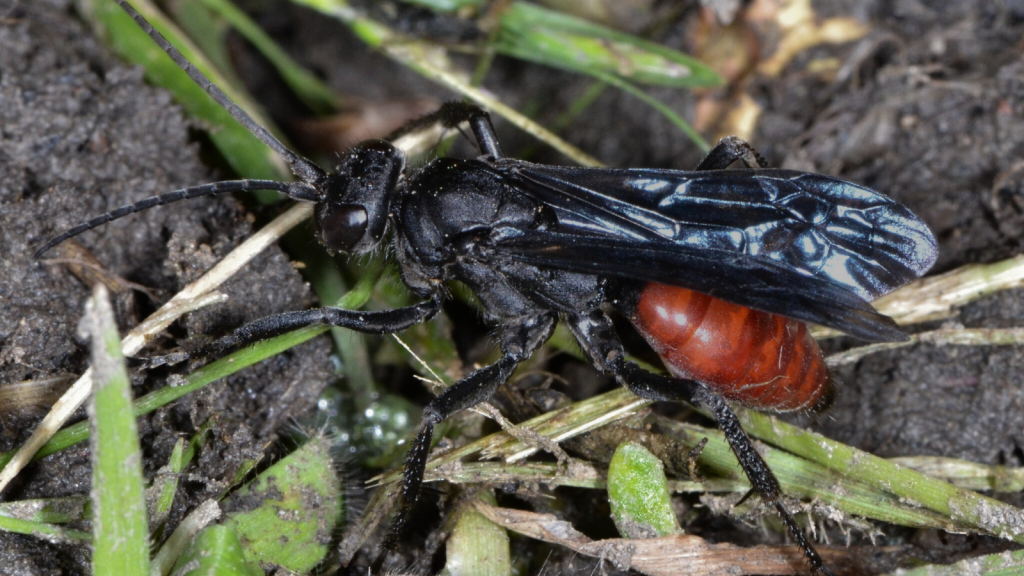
(375, 322)
(597, 336)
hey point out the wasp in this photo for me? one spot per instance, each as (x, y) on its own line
(718, 269)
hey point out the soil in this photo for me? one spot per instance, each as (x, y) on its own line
(81, 133)
(927, 106)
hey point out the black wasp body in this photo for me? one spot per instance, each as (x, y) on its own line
(541, 244)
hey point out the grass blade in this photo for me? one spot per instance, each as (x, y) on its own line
(120, 529)
(310, 89)
(243, 151)
(544, 36)
(1002, 564)
(477, 546)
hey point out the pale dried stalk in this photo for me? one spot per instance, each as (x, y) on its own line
(936, 297)
(668, 556)
(941, 337)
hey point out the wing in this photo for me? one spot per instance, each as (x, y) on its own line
(802, 245)
(756, 283)
(819, 226)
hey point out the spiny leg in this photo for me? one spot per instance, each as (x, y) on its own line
(655, 387)
(450, 115)
(519, 339)
(729, 150)
(597, 337)
(466, 393)
(375, 322)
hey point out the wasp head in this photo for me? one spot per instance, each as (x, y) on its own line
(352, 213)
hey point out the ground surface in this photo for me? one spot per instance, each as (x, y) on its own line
(80, 134)
(928, 107)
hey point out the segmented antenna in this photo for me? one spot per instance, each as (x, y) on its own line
(305, 169)
(296, 190)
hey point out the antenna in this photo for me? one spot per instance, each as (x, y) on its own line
(295, 190)
(306, 170)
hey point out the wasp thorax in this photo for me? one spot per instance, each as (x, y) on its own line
(352, 215)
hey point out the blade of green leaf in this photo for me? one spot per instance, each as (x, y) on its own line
(423, 58)
(120, 529)
(313, 93)
(544, 36)
(243, 151)
(804, 479)
(212, 372)
(48, 510)
(665, 111)
(1001, 564)
(964, 509)
(41, 530)
(560, 40)
(209, 34)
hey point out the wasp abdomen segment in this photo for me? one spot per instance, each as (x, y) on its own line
(761, 360)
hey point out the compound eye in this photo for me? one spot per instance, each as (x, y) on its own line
(342, 227)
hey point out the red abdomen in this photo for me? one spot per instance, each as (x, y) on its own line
(761, 360)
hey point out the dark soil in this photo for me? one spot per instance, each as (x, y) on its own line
(79, 134)
(927, 108)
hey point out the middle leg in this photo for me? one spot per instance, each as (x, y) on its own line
(519, 340)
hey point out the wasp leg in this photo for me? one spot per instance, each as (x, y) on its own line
(519, 340)
(376, 322)
(597, 337)
(729, 150)
(450, 115)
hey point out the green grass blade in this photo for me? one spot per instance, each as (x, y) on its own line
(964, 509)
(328, 283)
(243, 151)
(41, 530)
(803, 479)
(544, 36)
(313, 92)
(120, 529)
(200, 378)
(966, 474)
(47, 510)
(1002, 564)
(561, 40)
(207, 374)
(665, 111)
(165, 485)
(422, 58)
(209, 35)
(477, 546)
